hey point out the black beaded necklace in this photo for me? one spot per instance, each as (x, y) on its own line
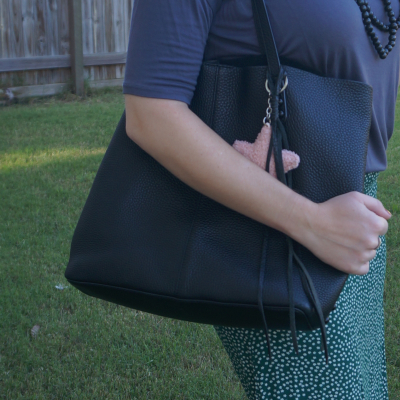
(370, 20)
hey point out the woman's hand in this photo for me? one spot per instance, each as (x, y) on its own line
(344, 231)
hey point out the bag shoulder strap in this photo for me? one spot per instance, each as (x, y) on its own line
(267, 43)
(266, 37)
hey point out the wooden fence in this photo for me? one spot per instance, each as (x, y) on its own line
(39, 50)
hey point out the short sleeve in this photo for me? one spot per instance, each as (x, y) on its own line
(166, 44)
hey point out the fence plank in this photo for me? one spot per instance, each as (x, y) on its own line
(87, 26)
(4, 29)
(88, 30)
(109, 42)
(47, 62)
(127, 17)
(76, 49)
(104, 59)
(16, 42)
(54, 88)
(52, 27)
(98, 26)
(63, 29)
(28, 27)
(118, 26)
(40, 18)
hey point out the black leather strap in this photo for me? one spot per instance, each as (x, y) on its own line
(266, 37)
(279, 139)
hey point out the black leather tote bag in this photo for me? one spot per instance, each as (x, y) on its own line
(147, 241)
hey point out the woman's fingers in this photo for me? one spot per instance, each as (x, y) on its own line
(374, 242)
(379, 226)
(376, 206)
(364, 268)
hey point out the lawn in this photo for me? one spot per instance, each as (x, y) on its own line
(85, 348)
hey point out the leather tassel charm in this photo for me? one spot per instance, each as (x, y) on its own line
(279, 140)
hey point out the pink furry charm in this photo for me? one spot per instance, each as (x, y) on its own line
(258, 151)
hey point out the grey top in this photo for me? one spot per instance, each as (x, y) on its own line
(169, 39)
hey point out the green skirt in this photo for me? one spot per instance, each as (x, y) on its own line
(356, 343)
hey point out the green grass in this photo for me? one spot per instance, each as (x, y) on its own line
(389, 194)
(50, 150)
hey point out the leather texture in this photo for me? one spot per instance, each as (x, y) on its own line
(148, 241)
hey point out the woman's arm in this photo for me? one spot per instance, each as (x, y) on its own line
(343, 231)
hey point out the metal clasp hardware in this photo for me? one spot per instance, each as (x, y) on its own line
(283, 87)
(268, 111)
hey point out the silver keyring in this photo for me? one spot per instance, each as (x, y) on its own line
(379, 244)
(283, 88)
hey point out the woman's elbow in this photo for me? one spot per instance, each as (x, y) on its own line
(133, 118)
(145, 116)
